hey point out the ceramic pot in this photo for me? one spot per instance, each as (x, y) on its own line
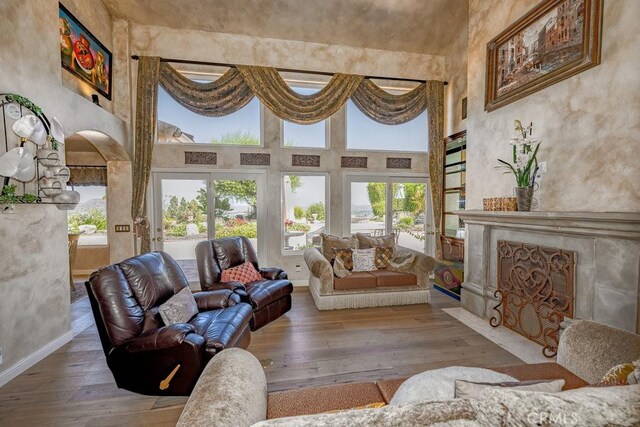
(48, 157)
(524, 196)
(67, 200)
(51, 187)
(61, 173)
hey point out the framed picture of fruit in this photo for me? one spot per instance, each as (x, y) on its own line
(82, 54)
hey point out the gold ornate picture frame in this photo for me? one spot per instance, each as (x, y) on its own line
(555, 40)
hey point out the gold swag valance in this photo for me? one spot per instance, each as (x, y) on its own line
(237, 87)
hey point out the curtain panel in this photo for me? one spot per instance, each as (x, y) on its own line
(435, 115)
(277, 96)
(85, 176)
(145, 136)
(383, 107)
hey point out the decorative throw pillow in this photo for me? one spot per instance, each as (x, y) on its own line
(243, 273)
(401, 263)
(330, 243)
(383, 256)
(339, 269)
(626, 373)
(345, 255)
(366, 241)
(180, 308)
(472, 390)
(364, 259)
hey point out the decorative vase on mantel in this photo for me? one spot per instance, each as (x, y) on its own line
(524, 197)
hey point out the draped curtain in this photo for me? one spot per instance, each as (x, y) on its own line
(84, 176)
(145, 136)
(435, 115)
(237, 87)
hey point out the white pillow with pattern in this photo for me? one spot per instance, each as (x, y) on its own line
(364, 259)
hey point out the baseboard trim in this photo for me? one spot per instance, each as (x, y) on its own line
(35, 357)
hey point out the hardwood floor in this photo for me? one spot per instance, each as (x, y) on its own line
(74, 387)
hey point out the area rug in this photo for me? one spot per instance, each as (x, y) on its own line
(448, 278)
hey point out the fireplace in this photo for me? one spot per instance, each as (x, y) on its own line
(602, 285)
(535, 291)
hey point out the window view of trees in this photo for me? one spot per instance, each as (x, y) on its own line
(89, 218)
(304, 210)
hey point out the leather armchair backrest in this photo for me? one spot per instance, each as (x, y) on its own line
(127, 294)
(216, 255)
(153, 277)
(233, 251)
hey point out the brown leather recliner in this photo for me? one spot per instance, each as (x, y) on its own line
(270, 297)
(141, 352)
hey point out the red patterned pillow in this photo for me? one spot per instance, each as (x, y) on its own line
(244, 273)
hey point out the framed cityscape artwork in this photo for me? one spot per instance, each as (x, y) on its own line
(82, 54)
(555, 40)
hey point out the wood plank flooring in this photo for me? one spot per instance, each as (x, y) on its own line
(74, 387)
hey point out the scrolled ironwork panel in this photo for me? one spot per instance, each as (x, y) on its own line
(535, 291)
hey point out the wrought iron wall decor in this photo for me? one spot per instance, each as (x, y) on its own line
(535, 291)
(31, 164)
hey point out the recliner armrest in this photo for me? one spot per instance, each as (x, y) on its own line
(273, 273)
(212, 300)
(160, 338)
(225, 285)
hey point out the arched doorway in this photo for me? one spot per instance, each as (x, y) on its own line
(101, 173)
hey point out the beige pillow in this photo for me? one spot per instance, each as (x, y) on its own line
(471, 390)
(366, 241)
(180, 308)
(339, 268)
(331, 243)
(402, 263)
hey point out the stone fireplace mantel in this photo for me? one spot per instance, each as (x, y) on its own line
(607, 247)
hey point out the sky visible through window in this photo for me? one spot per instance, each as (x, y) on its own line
(362, 132)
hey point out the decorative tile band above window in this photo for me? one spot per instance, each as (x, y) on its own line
(398, 163)
(353, 162)
(306, 160)
(200, 158)
(255, 159)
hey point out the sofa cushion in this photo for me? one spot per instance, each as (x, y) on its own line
(472, 390)
(180, 308)
(356, 280)
(222, 328)
(330, 243)
(264, 292)
(244, 273)
(363, 259)
(385, 278)
(315, 400)
(439, 384)
(339, 269)
(366, 241)
(542, 371)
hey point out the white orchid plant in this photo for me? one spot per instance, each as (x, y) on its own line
(525, 150)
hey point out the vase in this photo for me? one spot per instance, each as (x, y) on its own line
(524, 196)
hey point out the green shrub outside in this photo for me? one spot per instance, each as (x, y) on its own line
(296, 226)
(95, 217)
(317, 208)
(298, 212)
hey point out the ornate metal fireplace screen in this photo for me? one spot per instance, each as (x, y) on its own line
(535, 291)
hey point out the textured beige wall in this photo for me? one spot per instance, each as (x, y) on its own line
(589, 123)
(456, 75)
(34, 289)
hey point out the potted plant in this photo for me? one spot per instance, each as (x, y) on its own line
(9, 198)
(525, 164)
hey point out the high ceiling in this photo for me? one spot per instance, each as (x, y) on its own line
(420, 26)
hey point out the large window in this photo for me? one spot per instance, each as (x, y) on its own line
(177, 124)
(382, 205)
(304, 207)
(89, 218)
(304, 136)
(366, 134)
